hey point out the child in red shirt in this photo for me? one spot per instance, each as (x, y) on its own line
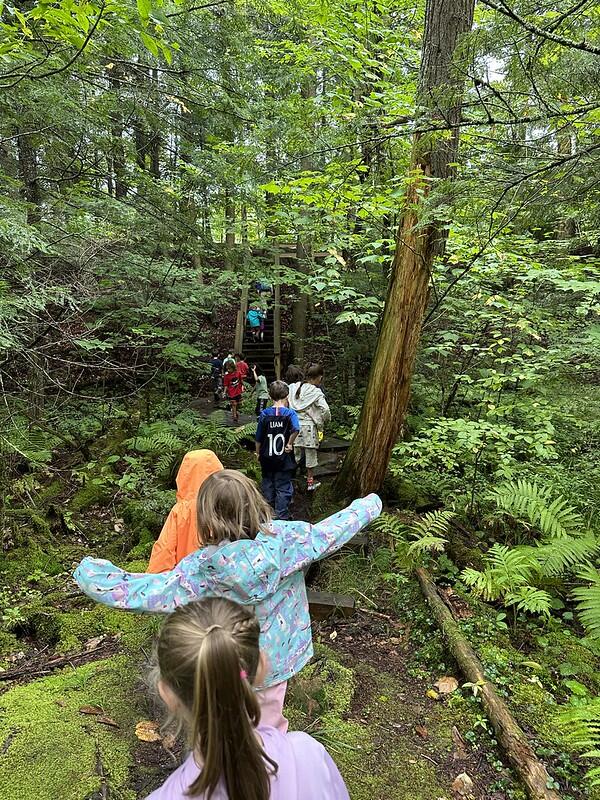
(234, 386)
(242, 367)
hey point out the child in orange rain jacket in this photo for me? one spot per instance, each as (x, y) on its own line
(179, 536)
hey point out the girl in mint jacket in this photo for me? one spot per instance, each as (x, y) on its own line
(250, 559)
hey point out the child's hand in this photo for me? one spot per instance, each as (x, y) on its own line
(289, 448)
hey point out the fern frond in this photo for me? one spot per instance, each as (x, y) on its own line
(390, 525)
(434, 523)
(481, 582)
(580, 726)
(511, 566)
(533, 505)
(530, 599)
(428, 533)
(559, 555)
(588, 601)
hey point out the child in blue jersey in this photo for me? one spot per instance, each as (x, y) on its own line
(278, 427)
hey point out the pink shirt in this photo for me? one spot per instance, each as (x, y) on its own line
(305, 771)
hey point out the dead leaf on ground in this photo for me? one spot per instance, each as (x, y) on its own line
(93, 710)
(446, 685)
(147, 731)
(333, 636)
(108, 721)
(422, 731)
(92, 644)
(432, 694)
(462, 784)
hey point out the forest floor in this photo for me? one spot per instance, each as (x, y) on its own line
(73, 695)
(77, 720)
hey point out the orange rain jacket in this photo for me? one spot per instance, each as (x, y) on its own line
(179, 536)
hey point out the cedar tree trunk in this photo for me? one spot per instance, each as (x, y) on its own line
(419, 242)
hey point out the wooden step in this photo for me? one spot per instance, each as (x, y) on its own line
(326, 604)
(333, 444)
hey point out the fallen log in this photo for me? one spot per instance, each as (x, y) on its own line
(510, 736)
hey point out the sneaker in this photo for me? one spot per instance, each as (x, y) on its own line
(310, 487)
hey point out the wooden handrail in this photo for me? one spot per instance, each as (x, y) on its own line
(240, 326)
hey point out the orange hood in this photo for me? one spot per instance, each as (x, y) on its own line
(195, 468)
(179, 536)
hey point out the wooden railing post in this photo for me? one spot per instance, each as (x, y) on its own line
(241, 321)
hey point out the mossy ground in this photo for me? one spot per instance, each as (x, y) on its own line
(50, 749)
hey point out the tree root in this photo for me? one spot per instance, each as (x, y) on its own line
(510, 736)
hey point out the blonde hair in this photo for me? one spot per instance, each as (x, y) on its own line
(208, 655)
(229, 506)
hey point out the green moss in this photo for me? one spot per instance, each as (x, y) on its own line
(374, 764)
(8, 643)
(94, 492)
(28, 518)
(536, 708)
(76, 627)
(19, 563)
(51, 750)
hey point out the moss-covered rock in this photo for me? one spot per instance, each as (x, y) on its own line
(74, 628)
(50, 749)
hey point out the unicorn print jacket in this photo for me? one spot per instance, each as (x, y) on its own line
(265, 572)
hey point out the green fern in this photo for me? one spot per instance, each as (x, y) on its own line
(581, 728)
(530, 600)
(560, 555)
(588, 601)
(390, 526)
(428, 533)
(534, 506)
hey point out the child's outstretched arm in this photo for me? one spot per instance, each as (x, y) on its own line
(305, 543)
(239, 571)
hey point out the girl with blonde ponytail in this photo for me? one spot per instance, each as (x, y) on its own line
(209, 659)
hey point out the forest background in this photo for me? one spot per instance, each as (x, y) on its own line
(155, 157)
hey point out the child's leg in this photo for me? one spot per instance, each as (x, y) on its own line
(284, 491)
(235, 402)
(271, 702)
(312, 461)
(268, 488)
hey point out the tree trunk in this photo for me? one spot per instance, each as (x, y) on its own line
(229, 219)
(510, 736)
(28, 174)
(567, 226)
(300, 306)
(388, 389)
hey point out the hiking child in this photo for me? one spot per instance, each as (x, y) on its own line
(180, 536)
(278, 427)
(242, 366)
(229, 359)
(260, 390)
(293, 374)
(255, 317)
(234, 387)
(216, 374)
(308, 400)
(208, 662)
(249, 558)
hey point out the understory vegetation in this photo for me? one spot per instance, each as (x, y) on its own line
(156, 159)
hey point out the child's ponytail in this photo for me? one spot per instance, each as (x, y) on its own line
(208, 655)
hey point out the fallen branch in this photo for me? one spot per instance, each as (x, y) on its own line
(74, 660)
(510, 736)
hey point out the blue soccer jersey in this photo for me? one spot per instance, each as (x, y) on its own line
(275, 426)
